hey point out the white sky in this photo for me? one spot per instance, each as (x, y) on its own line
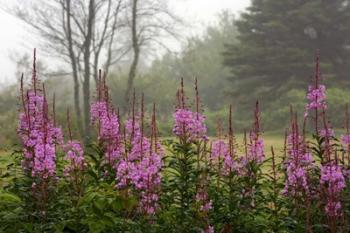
(15, 37)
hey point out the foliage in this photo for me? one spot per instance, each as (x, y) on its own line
(126, 181)
(277, 40)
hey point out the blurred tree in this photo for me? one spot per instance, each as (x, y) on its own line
(93, 34)
(148, 22)
(201, 57)
(81, 33)
(277, 43)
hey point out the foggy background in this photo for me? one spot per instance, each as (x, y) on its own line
(17, 37)
(240, 51)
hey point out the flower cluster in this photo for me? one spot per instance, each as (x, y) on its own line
(220, 152)
(316, 94)
(333, 180)
(203, 199)
(189, 125)
(255, 148)
(327, 133)
(316, 97)
(148, 181)
(75, 158)
(136, 159)
(38, 134)
(345, 140)
(108, 133)
(298, 164)
(141, 168)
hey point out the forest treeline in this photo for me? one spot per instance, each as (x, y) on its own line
(264, 54)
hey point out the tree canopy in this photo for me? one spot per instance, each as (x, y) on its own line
(278, 40)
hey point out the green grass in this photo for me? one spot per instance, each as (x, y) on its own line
(5, 159)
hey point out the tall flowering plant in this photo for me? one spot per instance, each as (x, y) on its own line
(316, 97)
(298, 162)
(107, 121)
(255, 146)
(132, 159)
(184, 194)
(39, 136)
(299, 165)
(188, 125)
(331, 180)
(142, 164)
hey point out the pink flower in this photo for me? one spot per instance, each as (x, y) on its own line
(75, 158)
(333, 180)
(107, 121)
(220, 152)
(316, 97)
(39, 136)
(329, 132)
(189, 125)
(202, 197)
(255, 148)
(298, 164)
(345, 141)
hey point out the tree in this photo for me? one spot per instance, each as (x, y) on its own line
(148, 21)
(81, 33)
(278, 40)
(201, 57)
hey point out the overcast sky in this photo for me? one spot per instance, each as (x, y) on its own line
(15, 37)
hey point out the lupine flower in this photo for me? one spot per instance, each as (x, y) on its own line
(333, 180)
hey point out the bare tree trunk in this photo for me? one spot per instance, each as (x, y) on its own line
(98, 45)
(87, 73)
(75, 71)
(108, 62)
(136, 49)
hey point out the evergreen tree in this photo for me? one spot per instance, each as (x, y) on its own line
(277, 44)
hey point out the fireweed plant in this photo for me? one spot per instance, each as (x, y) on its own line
(129, 180)
(40, 137)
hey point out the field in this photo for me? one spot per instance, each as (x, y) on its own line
(125, 178)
